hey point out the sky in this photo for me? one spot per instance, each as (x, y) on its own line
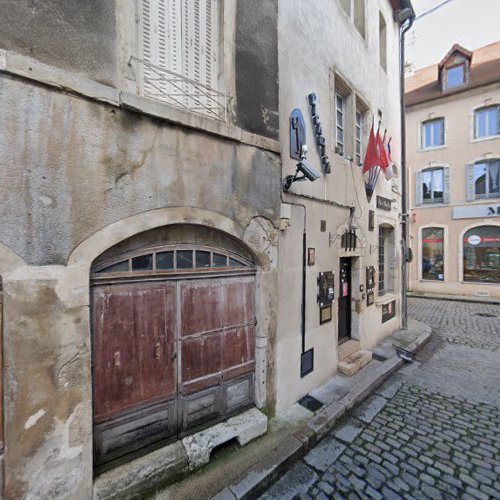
(471, 23)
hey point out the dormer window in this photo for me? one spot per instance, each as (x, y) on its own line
(455, 76)
(454, 68)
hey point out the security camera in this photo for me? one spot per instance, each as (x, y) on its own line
(308, 170)
(308, 173)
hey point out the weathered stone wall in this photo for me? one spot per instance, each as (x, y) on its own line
(69, 34)
(257, 95)
(71, 166)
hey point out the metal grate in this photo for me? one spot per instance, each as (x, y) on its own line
(181, 92)
(310, 403)
(306, 362)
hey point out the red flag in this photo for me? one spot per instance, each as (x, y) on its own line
(383, 160)
(371, 155)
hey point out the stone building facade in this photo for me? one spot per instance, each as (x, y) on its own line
(453, 120)
(151, 264)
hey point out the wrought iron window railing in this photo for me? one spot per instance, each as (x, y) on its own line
(182, 92)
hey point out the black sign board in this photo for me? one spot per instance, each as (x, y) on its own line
(326, 288)
(384, 203)
(388, 311)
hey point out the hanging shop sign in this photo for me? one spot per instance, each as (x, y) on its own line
(318, 130)
(297, 134)
(384, 203)
(476, 211)
(388, 311)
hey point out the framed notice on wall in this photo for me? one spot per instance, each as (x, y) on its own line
(325, 314)
(388, 311)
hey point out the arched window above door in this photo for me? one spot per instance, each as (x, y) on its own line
(180, 258)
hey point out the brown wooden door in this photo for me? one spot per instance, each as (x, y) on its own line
(134, 368)
(169, 357)
(217, 343)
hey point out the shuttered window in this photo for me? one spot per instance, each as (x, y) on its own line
(180, 41)
(483, 180)
(433, 186)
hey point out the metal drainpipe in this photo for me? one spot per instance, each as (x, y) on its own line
(405, 24)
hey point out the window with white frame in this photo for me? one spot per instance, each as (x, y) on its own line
(483, 179)
(433, 185)
(180, 54)
(487, 121)
(340, 120)
(455, 76)
(359, 136)
(433, 133)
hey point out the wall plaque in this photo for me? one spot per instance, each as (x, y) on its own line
(384, 203)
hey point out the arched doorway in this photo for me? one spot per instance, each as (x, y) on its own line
(173, 338)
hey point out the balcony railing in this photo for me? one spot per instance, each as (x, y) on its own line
(181, 92)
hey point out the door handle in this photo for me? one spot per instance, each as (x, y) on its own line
(174, 355)
(117, 361)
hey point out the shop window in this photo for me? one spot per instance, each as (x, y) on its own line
(433, 133)
(487, 122)
(483, 180)
(433, 253)
(386, 260)
(481, 254)
(433, 186)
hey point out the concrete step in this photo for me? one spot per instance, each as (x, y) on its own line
(348, 348)
(353, 363)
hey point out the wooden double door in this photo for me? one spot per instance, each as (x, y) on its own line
(169, 357)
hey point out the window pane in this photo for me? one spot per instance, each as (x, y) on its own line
(438, 132)
(432, 254)
(481, 129)
(184, 259)
(219, 260)
(437, 185)
(427, 135)
(340, 136)
(494, 177)
(481, 247)
(480, 178)
(235, 263)
(142, 263)
(165, 260)
(340, 119)
(427, 185)
(202, 259)
(455, 76)
(116, 268)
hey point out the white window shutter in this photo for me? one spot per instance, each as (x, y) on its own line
(471, 189)
(418, 189)
(446, 185)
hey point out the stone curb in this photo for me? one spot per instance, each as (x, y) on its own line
(458, 298)
(260, 476)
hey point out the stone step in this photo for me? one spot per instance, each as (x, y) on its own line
(353, 363)
(348, 348)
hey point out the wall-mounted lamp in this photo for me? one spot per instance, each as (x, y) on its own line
(303, 167)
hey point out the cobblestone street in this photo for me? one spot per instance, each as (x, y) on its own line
(431, 431)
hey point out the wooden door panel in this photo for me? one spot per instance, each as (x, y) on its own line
(239, 303)
(133, 346)
(239, 347)
(201, 357)
(201, 306)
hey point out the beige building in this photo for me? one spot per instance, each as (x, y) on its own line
(453, 149)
